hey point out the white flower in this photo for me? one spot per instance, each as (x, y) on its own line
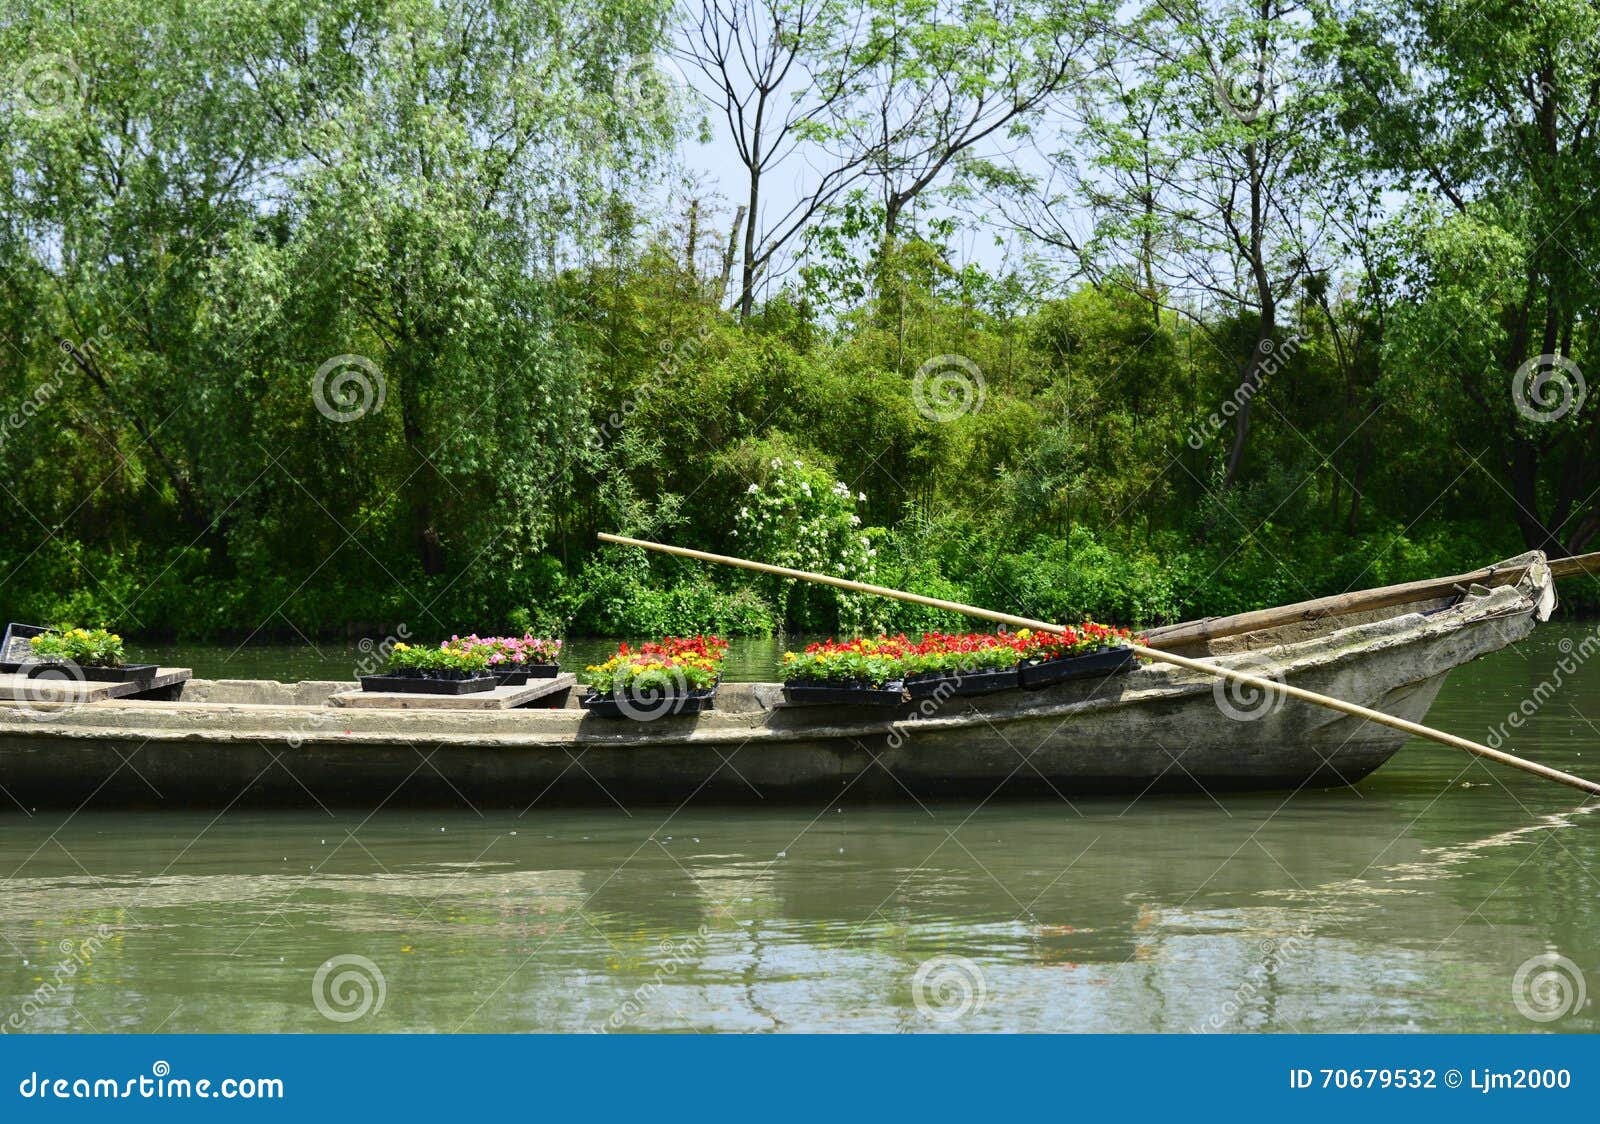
(799, 464)
(855, 521)
(744, 513)
(776, 463)
(804, 487)
(862, 496)
(752, 490)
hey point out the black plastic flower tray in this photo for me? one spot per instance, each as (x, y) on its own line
(15, 651)
(515, 675)
(648, 709)
(127, 673)
(1046, 673)
(980, 682)
(423, 685)
(803, 693)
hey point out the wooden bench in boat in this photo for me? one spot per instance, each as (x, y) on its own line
(17, 687)
(553, 690)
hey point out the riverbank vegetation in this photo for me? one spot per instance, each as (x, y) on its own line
(327, 315)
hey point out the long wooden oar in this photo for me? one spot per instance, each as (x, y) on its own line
(1151, 653)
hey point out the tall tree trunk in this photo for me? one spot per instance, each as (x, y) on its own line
(425, 536)
(1255, 376)
(747, 291)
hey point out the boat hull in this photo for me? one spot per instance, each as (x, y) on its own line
(1153, 730)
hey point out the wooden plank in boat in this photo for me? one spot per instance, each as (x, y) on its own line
(17, 687)
(501, 698)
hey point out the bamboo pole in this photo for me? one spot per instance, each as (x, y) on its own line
(1366, 713)
(1366, 600)
(1576, 564)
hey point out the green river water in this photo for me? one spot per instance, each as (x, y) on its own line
(1439, 895)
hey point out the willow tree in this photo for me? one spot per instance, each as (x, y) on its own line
(334, 196)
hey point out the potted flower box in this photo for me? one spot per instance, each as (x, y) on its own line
(1034, 674)
(515, 675)
(91, 654)
(863, 672)
(977, 681)
(973, 663)
(513, 660)
(644, 705)
(671, 676)
(844, 692)
(1083, 651)
(432, 671)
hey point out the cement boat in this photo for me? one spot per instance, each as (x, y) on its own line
(1153, 729)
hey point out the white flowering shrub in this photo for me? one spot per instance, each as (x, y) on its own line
(799, 516)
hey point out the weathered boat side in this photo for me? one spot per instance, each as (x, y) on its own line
(1155, 729)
